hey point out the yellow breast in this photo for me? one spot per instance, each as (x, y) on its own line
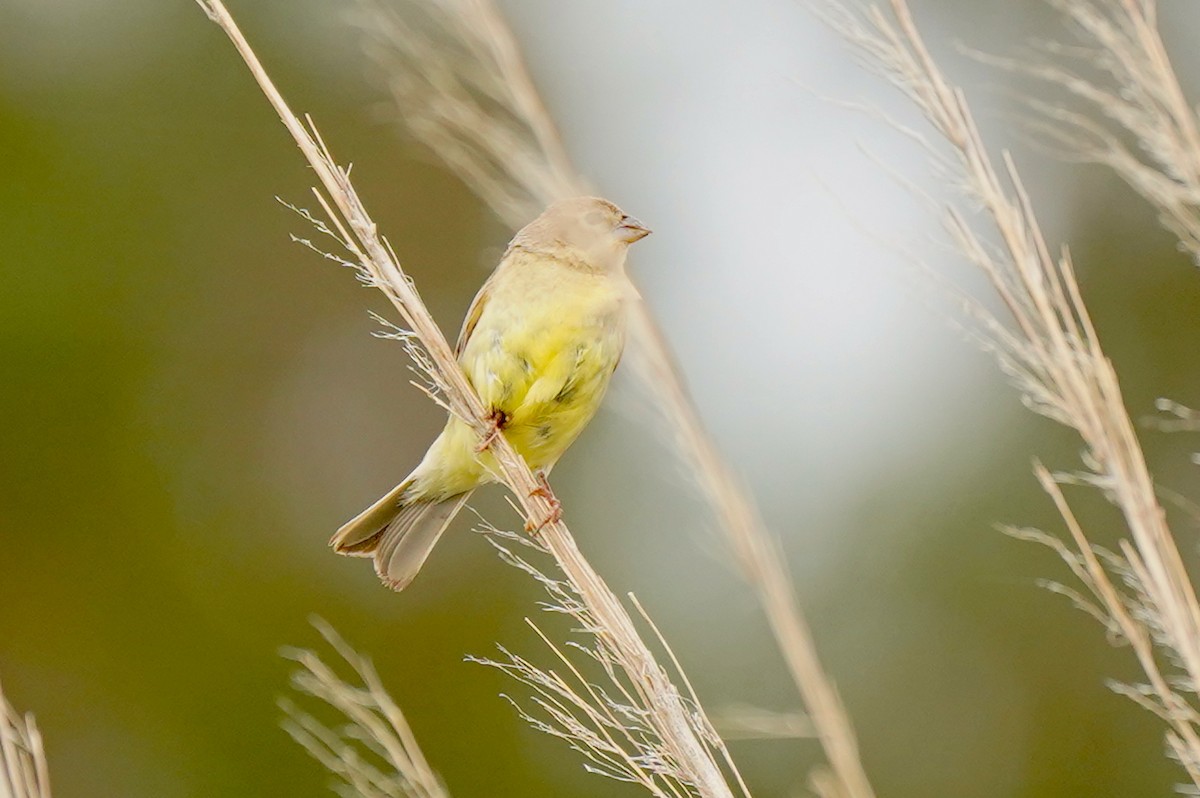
(542, 351)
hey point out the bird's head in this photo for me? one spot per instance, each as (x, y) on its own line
(591, 229)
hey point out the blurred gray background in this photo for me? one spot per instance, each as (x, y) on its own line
(190, 404)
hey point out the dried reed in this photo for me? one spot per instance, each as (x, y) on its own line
(1138, 120)
(593, 704)
(375, 754)
(671, 716)
(23, 770)
(460, 86)
(1049, 348)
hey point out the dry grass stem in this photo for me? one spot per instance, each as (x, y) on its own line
(1048, 346)
(594, 703)
(23, 770)
(1175, 418)
(457, 78)
(760, 560)
(349, 221)
(460, 86)
(1138, 120)
(747, 722)
(374, 754)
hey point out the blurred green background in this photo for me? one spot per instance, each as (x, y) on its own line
(190, 404)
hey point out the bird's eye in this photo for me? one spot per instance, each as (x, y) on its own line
(594, 218)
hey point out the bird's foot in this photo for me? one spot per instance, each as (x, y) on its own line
(496, 422)
(555, 514)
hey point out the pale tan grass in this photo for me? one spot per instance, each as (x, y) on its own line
(1048, 346)
(591, 702)
(23, 769)
(670, 714)
(374, 753)
(1175, 418)
(1137, 121)
(748, 722)
(460, 86)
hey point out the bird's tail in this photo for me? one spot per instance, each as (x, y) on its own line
(399, 532)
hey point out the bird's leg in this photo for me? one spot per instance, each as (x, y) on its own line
(496, 422)
(543, 490)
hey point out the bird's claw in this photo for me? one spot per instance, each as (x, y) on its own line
(496, 422)
(556, 512)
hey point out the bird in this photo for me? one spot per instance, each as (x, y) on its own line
(539, 344)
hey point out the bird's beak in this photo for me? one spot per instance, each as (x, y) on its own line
(630, 230)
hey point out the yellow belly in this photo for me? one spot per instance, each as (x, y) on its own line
(542, 353)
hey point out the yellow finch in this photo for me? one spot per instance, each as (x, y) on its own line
(539, 344)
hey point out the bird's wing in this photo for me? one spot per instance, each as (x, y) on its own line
(472, 318)
(480, 301)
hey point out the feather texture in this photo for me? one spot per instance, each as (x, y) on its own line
(539, 344)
